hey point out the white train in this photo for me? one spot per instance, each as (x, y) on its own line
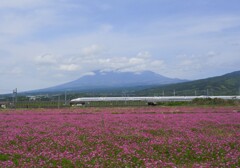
(84, 100)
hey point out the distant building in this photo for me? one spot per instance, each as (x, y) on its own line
(32, 98)
(4, 105)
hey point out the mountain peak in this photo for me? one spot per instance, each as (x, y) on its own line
(115, 79)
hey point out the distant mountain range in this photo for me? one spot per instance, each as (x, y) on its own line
(146, 83)
(228, 84)
(113, 80)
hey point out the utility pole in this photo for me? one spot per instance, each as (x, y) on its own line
(58, 101)
(14, 96)
(65, 99)
(163, 93)
(13, 101)
(174, 93)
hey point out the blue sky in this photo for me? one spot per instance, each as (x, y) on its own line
(48, 42)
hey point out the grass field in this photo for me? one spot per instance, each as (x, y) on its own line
(121, 137)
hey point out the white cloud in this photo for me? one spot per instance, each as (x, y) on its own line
(46, 59)
(91, 50)
(203, 65)
(136, 61)
(144, 54)
(88, 74)
(87, 62)
(187, 62)
(69, 67)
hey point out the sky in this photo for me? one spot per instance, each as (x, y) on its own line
(44, 43)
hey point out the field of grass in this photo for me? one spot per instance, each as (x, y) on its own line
(121, 137)
(63, 104)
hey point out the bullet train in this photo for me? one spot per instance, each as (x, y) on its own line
(84, 100)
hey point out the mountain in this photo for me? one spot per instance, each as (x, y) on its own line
(113, 79)
(228, 84)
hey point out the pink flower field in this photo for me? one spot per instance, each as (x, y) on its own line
(121, 137)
